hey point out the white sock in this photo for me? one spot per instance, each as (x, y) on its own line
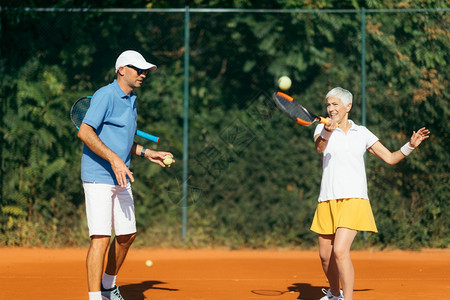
(95, 295)
(108, 281)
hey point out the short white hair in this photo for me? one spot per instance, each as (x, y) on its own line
(338, 92)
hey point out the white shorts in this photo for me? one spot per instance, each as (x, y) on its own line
(109, 206)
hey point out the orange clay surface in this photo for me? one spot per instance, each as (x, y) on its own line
(224, 274)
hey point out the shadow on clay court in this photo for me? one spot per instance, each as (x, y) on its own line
(305, 291)
(308, 292)
(136, 291)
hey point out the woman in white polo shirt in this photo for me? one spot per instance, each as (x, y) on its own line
(344, 207)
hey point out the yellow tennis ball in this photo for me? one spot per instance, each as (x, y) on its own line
(167, 160)
(149, 263)
(284, 83)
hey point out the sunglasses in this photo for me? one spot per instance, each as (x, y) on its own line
(138, 71)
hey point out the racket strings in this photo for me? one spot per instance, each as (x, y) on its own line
(294, 110)
(79, 110)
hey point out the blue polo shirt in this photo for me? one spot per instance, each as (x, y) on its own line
(113, 115)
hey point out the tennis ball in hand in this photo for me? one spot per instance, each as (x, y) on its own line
(149, 263)
(284, 83)
(167, 160)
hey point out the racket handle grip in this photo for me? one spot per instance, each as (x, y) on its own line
(323, 120)
(147, 136)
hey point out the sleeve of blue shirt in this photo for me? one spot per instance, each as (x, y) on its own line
(98, 110)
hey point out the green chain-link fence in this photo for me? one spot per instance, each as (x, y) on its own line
(245, 175)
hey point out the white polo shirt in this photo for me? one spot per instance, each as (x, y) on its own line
(344, 174)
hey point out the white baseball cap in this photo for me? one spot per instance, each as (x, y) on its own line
(135, 59)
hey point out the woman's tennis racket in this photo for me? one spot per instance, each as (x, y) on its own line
(79, 109)
(295, 111)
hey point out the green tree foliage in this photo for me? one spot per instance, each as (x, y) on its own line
(254, 176)
(37, 197)
(418, 97)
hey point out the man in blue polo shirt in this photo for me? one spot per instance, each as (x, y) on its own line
(108, 131)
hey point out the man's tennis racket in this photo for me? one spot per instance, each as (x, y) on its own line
(79, 109)
(295, 111)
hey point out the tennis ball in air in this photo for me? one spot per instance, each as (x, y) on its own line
(148, 263)
(284, 83)
(167, 160)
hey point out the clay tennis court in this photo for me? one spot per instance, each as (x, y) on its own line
(224, 274)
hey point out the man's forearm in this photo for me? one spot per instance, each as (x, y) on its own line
(92, 141)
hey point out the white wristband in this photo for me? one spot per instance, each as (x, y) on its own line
(325, 134)
(406, 149)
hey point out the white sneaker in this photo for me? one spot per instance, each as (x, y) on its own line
(111, 294)
(330, 296)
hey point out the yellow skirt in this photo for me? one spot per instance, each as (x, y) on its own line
(353, 213)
